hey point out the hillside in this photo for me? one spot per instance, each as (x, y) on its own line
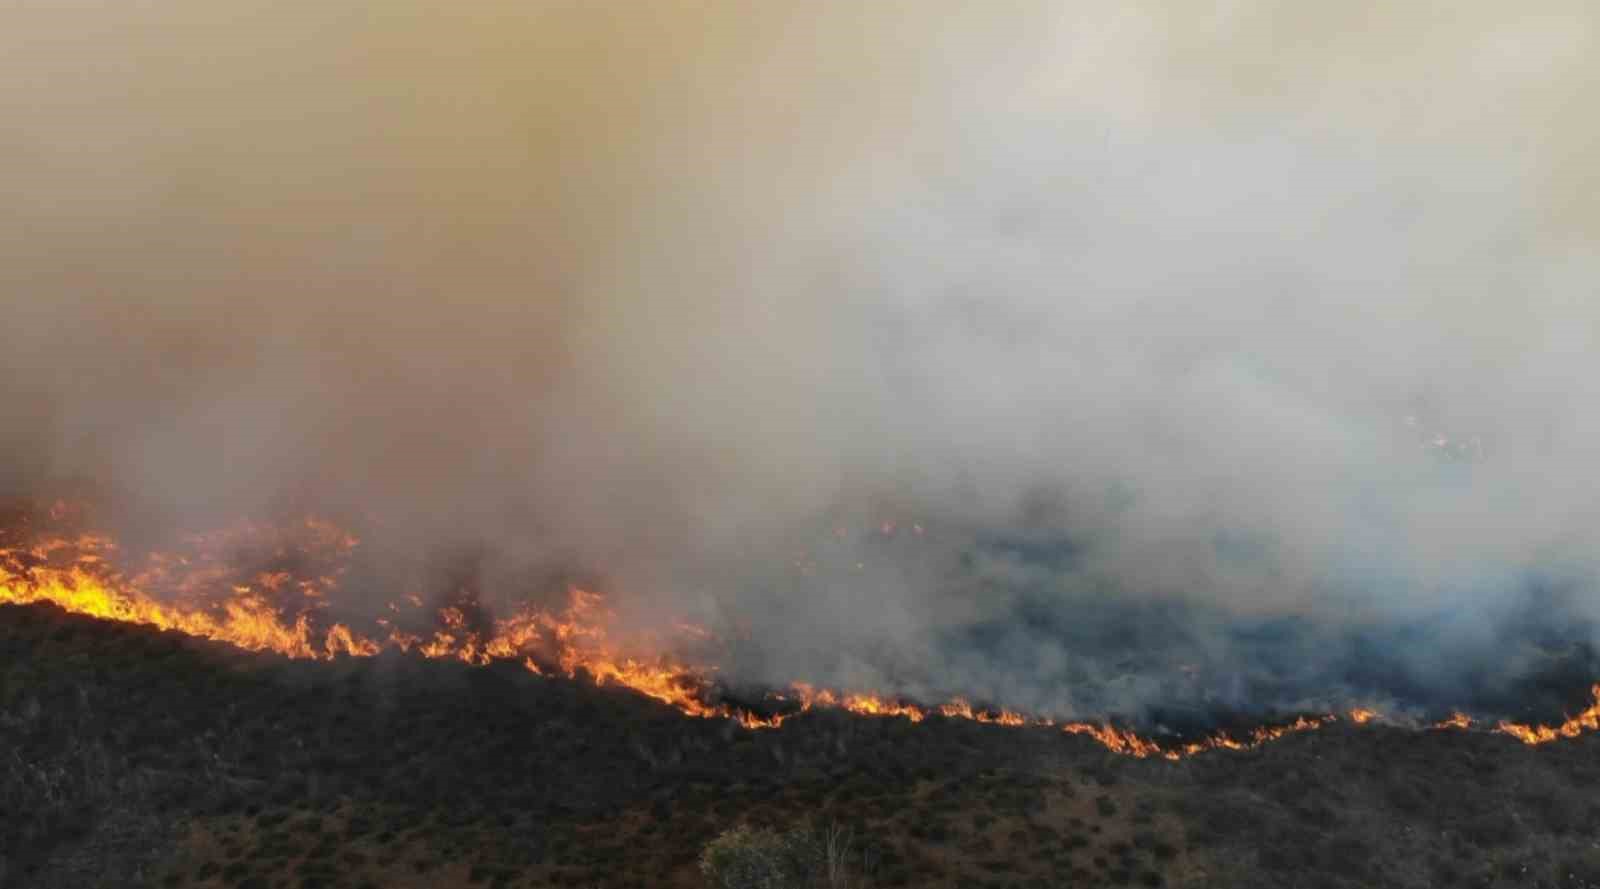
(138, 758)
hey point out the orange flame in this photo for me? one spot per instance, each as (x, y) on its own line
(1586, 721)
(1131, 744)
(199, 592)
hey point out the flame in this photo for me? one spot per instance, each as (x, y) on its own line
(85, 585)
(1131, 744)
(200, 591)
(1588, 720)
(1119, 741)
(961, 708)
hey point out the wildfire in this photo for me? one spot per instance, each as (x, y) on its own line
(1133, 745)
(809, 697)
(197, 594)
(1118, 741)
(1586, 721)
(961, 708)
(200, 591)
(76, 575)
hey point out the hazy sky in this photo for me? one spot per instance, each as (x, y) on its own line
(665, 288)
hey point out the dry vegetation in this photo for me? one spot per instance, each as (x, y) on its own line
(133, 758)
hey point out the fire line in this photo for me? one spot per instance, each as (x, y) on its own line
(77, 574)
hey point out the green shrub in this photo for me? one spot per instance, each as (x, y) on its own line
(750, 858)
(760, 858)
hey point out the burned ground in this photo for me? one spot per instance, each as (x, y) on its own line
(138, 758)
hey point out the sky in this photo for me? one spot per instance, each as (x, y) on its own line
(1263, 308)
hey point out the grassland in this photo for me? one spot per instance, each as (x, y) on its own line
(131, 758)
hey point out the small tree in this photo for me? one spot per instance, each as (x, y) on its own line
(799, 858)
(749, 858)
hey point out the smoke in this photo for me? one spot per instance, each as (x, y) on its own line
(1248, 341)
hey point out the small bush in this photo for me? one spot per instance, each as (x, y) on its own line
(760, 858)
(748, 858)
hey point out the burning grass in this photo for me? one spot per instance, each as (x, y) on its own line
(279, 595)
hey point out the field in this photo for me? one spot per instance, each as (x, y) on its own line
(133, 758)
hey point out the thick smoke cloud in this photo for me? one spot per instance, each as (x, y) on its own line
(1149, 317)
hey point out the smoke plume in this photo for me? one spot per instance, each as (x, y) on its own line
(1242, 354)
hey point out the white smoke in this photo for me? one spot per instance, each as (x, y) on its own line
(670, 290)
